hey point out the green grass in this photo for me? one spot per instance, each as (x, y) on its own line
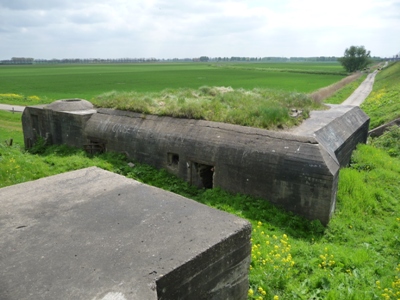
(52, 82)
(383, 104)
(333, 68)
(11, 127)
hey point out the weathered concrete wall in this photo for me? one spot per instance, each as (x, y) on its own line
(61, 122)
(296, 170)
(93, 234)
(288, 170)
(342, 134)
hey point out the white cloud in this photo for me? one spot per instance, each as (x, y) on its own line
(178, 28)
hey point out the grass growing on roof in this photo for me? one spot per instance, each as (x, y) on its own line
(263, 108)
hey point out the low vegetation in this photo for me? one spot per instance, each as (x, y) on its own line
(383, 103)
(355, 257)
(263, 108)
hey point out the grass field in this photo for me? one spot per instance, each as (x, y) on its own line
(52, 82)
(299, 67)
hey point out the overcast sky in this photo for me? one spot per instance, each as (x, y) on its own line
(184, 28)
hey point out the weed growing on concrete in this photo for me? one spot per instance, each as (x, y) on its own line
(263, 108)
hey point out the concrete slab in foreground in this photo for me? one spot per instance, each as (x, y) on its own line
(94, 235)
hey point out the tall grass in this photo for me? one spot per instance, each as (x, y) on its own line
(263, 108)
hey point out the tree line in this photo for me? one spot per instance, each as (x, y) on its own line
(355, 58)
(30, 61)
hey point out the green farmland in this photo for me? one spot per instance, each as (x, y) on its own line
(52, 82)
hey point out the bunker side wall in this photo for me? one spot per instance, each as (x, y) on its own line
(193, 280)
(288, 171)
(341, 136)
(54, 126)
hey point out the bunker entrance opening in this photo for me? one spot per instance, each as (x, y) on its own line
(173, 159)
(204, 174)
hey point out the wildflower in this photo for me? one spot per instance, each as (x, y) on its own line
(250, 292)
(276, 297)
(33, 98)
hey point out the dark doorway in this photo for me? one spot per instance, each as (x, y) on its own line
(206, 175)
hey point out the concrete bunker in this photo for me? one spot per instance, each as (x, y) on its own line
(93, 234)
(296, 170)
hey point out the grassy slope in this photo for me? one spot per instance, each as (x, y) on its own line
(383, 104)
(10, 127)
(355, 257)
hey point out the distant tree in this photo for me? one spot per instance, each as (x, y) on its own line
(355, 58)
(204, 58)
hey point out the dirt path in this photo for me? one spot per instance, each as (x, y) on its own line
(362, 92)
(14, 108)
(320, 118)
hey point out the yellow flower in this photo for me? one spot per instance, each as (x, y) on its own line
(33, 98)
(276, 297)
(250, 292)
